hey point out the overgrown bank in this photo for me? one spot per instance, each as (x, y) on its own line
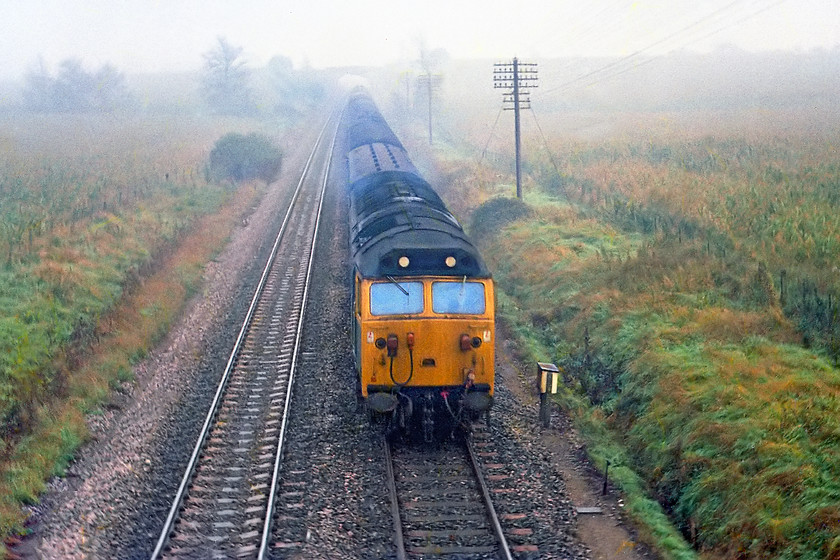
(681, 362)
(100, 275)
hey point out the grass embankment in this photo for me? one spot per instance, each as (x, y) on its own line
(116, 227)
(695, 376)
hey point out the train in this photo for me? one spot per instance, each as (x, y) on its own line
(423, 302)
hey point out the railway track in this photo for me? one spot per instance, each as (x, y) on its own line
(224, 506)
(441, 503)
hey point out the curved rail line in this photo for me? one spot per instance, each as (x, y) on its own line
(249, 394)
(441, 497)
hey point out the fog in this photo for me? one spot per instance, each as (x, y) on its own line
(148, 36)
(633, 55)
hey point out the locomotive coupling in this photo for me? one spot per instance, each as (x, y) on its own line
(469, 378)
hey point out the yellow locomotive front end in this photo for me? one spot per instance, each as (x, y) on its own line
(426, 339)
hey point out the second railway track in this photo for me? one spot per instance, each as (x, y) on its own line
(224, 505)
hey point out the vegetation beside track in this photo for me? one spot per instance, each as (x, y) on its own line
(651, 269)
(107, 224)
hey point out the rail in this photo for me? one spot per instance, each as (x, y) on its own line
(190, 470)
(447, 488)
(266, 535)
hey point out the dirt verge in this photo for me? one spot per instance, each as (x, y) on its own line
(609, 535)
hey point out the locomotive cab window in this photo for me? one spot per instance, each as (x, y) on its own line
(396, 298)
(466, 298)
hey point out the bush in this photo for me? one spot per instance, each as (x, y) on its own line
(241, 157)
(492, 216)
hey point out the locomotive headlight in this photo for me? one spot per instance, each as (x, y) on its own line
(450, 261)
(403, 262)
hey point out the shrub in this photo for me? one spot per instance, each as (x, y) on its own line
(241, 157)
(492, 216)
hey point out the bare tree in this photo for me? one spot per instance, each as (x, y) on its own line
(226, 80)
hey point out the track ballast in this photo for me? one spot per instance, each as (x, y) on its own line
(224, 505)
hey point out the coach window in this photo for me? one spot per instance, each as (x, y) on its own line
(396, 298)
(465, 298)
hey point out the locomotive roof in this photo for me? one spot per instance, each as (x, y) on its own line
(375, 158)
(394, 213)
(408, 226)
(366, 125)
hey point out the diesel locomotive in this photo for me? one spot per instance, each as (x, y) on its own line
(422, 300)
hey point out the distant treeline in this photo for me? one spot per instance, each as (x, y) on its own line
(76, 90)
(225, 85)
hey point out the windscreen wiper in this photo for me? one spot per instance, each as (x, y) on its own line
(403, 290)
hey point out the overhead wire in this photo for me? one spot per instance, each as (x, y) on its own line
(490, 136)
(548, 151)
(616, 68)
(621, 66)
(590, 33)
(638, 52)
(584, 25)
(654, 59)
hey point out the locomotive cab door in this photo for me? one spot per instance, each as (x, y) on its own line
(357, 322)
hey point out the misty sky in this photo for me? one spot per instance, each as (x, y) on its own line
(158, 35)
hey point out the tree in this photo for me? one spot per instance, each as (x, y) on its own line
(75, 90)
(226, 80)
(293, 92)
(38, 90)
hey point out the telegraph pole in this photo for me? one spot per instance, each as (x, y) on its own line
(516, 77)
(406, 77)
(431, 82)
(429, 92)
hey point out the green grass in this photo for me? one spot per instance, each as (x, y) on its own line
(519, 305)
(730, 426)
(721, 426)
(121, 221)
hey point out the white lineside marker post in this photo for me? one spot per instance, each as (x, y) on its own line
(547, 375)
